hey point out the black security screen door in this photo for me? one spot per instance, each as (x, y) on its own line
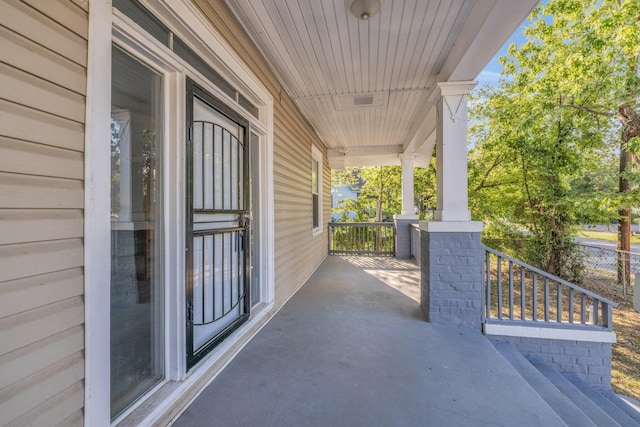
(217, 222)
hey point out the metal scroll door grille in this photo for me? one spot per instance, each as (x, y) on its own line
(218, 293)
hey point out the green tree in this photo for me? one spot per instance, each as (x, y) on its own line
(424, 189)
(596, 44)
(381, 191)
(552, 121)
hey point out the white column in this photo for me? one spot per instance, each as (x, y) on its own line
(451, 152)
(407, 184)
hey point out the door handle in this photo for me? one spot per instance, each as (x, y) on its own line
(244, 221)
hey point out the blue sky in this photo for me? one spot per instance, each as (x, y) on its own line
(491, 72)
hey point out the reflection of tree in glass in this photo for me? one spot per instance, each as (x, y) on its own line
(145, 175)
(116, 137)
(148, 171)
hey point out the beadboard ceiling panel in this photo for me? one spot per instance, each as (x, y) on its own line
(371, 83)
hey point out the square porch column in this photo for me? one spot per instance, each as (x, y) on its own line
(451, 282)
(403, 222)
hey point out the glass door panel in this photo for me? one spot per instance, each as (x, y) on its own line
(136, 231)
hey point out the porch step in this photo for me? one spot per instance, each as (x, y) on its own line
(600, 398)
(560, 403)
(583, 402)
(629, 406)
(573, 399)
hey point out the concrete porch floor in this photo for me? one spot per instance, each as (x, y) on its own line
(352, 349)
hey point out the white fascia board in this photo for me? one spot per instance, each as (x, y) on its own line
(565, 334)
(486, 30)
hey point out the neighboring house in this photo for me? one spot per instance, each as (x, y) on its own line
(165, 176)
(339, 195)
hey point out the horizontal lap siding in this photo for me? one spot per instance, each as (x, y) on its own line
(42, 108)
(297, 252)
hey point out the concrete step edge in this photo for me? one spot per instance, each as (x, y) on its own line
(621, 403)
(560, 403)
(586, 405)
(605, 404)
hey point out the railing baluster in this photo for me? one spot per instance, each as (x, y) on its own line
(546, 299)
(534, 299)
(606, 315)
(499, 281)
(361, 238)
(511, 290)
(559, 302)
(488, 277)
(522, 292)
(570, 305)
(599, 318)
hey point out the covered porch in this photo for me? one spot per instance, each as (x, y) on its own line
(352, 347)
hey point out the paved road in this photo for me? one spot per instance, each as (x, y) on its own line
(604, 244)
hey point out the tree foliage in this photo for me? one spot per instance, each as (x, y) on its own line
(381, 186)
(547, 136)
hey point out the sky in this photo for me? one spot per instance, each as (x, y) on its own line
(491, 73)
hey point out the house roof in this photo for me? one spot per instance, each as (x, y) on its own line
(369, 87)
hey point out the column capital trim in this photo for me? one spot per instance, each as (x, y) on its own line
(451, 226)
(407, 156)
(413, 217)
(456, 88)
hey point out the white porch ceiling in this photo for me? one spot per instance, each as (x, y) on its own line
(367, 87)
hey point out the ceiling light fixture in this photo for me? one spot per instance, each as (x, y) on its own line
(365, 9)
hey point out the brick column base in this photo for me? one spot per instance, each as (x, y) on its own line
(451, 282)
(403, 234)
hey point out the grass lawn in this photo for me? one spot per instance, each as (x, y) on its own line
(605, 235)
(625, 360)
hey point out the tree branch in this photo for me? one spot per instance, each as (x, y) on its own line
(589, 110)
(497, 184)
(496, 162)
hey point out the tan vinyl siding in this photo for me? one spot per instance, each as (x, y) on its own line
(297, 252)
(42, 109)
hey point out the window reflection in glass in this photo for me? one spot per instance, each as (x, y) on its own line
(136, 280)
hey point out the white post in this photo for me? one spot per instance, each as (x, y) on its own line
(454, 298)
(407, 184)
(451, 152)
(636, 294)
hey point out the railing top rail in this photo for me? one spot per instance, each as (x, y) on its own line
(415, 226)
(550, 276)
(607, 249)
(552, 324)
(360, 224)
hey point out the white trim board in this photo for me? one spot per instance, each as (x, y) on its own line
(550, 333)
(451, 226)
(97, 224)
(316, 155)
